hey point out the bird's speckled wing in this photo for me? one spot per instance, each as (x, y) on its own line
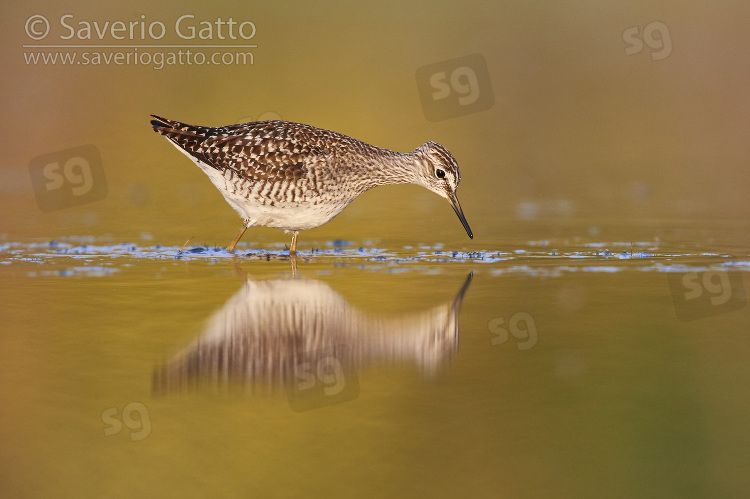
(264, 150)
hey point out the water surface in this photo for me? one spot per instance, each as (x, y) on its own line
(552, 365)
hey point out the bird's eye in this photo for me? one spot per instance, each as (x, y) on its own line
(440, 173)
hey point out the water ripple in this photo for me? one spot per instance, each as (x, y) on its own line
(83, 256)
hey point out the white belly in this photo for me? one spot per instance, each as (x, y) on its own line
(287, 216)
(303, 215)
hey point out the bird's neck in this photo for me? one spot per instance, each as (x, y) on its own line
(386, 167)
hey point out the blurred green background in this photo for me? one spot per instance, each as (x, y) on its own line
(577, 128)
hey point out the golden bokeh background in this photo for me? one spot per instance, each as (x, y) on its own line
(578, 129)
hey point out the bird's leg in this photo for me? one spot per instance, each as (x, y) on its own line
(236, 239)
(293, 249)
(293, 261)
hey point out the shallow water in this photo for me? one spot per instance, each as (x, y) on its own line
(556, 366)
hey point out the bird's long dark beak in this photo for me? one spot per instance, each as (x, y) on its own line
(457, 208)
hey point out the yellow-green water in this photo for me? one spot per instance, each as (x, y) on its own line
(132, 369)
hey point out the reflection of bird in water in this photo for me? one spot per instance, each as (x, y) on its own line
(297, 177)
(268, 327)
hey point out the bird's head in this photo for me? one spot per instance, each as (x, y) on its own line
(438, 171)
